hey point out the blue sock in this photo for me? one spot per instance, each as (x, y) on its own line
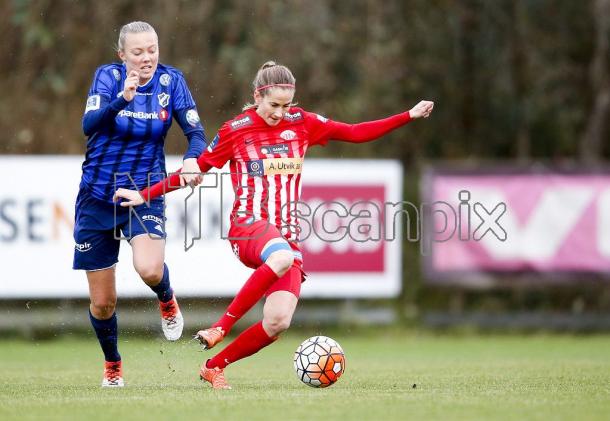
(107, 334)
(163, 289)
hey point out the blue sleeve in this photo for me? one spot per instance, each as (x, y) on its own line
(197, 144)
(181, 96)
(193, 130)
(95, 120)
(185, 113)
(101, 109)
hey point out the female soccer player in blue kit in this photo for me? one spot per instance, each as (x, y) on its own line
(128, 113)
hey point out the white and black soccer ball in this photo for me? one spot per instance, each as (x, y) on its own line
(319, 361)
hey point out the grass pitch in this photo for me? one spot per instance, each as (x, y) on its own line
(391, 375)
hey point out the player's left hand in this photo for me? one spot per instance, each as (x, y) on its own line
(422, 109)
(130, 86)
(190, 174)
(132, 197)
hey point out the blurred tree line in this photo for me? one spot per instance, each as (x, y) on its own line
(518, 80)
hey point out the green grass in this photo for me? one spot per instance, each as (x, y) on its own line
(457, 377)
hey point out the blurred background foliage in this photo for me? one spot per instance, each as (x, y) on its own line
(517, 80)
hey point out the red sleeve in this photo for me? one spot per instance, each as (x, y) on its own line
(166, 185)
(220, 149)
(322, 129)
(216, 154)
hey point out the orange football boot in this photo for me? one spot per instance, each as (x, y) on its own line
(215, 376)
(210, 337)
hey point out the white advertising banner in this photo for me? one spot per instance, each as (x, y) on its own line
(37, 217)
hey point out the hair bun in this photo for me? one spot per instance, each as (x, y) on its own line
(268, 64)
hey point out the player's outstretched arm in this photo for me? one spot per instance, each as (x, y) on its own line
(136, 198)
(169, 184)
(371, 130)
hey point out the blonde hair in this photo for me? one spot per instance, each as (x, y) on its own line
(271, 75)
(133, 28)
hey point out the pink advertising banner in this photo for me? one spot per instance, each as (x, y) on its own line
(505, 223)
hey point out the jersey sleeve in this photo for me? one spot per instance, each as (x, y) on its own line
(218, 152)
(102, 106)
(103, 83)
(186, 114)
(181, 95)
(322, 129)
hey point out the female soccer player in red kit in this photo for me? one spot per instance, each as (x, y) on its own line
(265, 146)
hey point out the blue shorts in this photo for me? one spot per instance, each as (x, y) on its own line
(99, 227)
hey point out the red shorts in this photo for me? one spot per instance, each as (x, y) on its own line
(247, 243)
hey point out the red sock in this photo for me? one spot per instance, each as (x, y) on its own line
(248, 295)
(249, 342)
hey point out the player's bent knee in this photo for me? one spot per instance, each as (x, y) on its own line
(277, 323)
(280, 261)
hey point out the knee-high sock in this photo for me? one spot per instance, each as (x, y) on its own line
(249, 342)
(107, 334)
(252, 291)
(163, 289)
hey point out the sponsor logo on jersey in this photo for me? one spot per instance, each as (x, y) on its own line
(255, 167)
(293, 117)
(274, 149)
(163, 114)
(192, 117)
(242, 122)
(322, 119)
(275, 166)
(116, 74)
(163, 99)
(139, 114)
(93, 103)
(283, 166)
(153, 218)
(137, 94)
(165, 79)
(84, 247)
(288, 135)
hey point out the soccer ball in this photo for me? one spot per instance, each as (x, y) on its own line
(319, 361)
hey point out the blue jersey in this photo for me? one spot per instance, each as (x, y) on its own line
(125, 143)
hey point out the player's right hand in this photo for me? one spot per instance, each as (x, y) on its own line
(131, 197)
(130, 86)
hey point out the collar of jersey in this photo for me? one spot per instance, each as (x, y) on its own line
(147, 85)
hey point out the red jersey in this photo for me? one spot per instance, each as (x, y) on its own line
(266, 161)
